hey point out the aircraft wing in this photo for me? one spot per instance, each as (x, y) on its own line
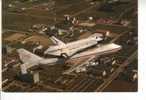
(103, 50)
(78, 67)
(57, 41)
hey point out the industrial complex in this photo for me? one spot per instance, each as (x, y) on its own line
(69, 46)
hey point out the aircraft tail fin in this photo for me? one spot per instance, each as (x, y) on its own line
(28, 57)
(57, 41)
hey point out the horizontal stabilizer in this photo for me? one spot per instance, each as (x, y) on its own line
(28, 57)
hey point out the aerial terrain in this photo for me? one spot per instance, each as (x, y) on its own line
(30, 26)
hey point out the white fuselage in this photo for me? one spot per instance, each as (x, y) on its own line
(29, 59)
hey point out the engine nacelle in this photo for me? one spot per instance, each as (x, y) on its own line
(64, 55)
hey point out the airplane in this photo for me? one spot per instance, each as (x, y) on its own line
(60, 50)
(29, 59)
(69, 49)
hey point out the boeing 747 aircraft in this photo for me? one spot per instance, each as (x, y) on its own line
(70, 51)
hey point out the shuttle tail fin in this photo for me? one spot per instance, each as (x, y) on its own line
(57, 41)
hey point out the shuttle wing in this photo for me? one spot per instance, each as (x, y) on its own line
(57, 41)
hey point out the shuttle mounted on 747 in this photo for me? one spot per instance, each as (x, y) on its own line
(66, 51)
